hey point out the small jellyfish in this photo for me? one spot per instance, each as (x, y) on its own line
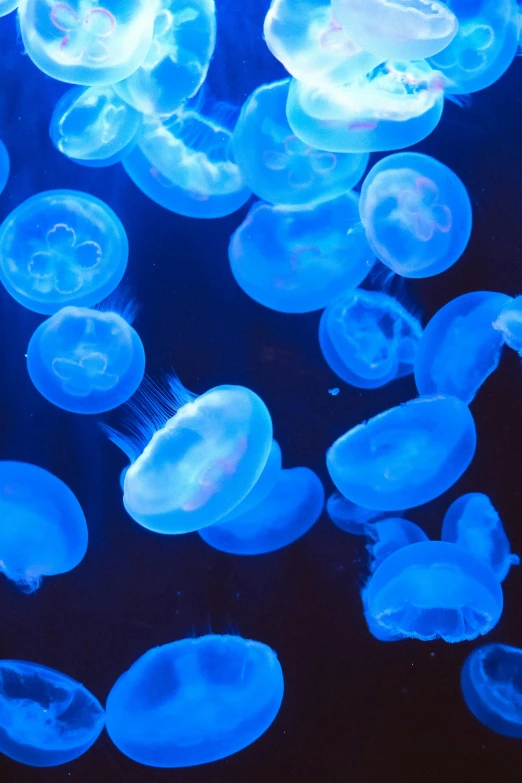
(292, 507)
(405, 456)
(46, 717)
(62, 247)
(299, 260)
(386, 536)
(394, 106)
(491, 683)
(417, 214)
(351, 518)
(94, 126)
(195, 701)
(460, 348)
(82, 42)
(280, 168)
(509, 324)
(435, 590)
(473, 523)
(6, 6)
(368, 338)
(263, 486)
(43, 531)
(5, 166)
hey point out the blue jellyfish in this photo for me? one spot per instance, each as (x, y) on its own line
(292, 507)
(195, 701)
(352, 518)
(377, 631)
(368, 338)
(6, 6)
(5, 166)
(94, 126)
(435, 590)
(473, 523)
(405, 456)
(417, 214)
(509, 323)
(46, 717)
(386, 536)
(394, 106)
(263, 486)
(491, 682)
(83, 42)
(62, 247)
(460, 348)
(177, 62)
(299, 260)
(193, 459)
(43, 531)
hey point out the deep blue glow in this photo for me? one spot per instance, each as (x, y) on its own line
(386, 536)
(509, 324)
(5, 166)
(352, 518)
(195, 701)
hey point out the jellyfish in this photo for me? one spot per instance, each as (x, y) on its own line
(509, 323)
(177, 62)
(193, 459)
(292, 507)
(435, 590)
(43, 531)
(460, 347)
(417, 214)
(377, 631)
(82, 42)
(5, 166)
(368, 338)
(405, 456)
(263, 486)
(394, 106)
(6, 6)
(352, 518)
(46, 717)
(280, 168)
(491, 683)
(94, 126)
(195, 701)
(299, 260)
(62, 247)
(386, 536)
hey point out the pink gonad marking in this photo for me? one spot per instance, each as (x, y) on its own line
(362, 126)
(95, 26)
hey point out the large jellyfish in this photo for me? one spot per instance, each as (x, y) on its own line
(5, 166)
(6, 6)
(435, 590)
(460, 348)
(83, 42)
(62, 247)
(299, 260)
(386, 536)
(195, 701)
(43, 531)
(352, 518)
(509, 323)
(394, 106)
(46, 717)
(368, 338)
(417, 214)
(405, 456)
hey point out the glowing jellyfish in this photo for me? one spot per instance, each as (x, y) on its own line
(193, 459)
(177, 62)
(46, 717)
(386, 536)
(460, 348)
(435, 590)
(94, 126)
(82, 42)
(263, 486)
(491, 682)
(405, 456)
(417, 214)
(195, 701)
(62, 247)
(377, 631)
(5, 166)
(394, 106)
(292, 507)
(299, 260)
(509, 323)
(352, 518)
(368, 338)
(6, 6)
(42, 527)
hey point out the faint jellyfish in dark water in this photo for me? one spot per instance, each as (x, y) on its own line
(5, 166)
(352, 518)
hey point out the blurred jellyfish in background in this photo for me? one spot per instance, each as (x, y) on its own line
(43, 531)
(509, 324)
(460, 347)
(394, 106)
(417, 214)
(46, 717)
(299, 260)
(280, 168)
(386, 536)
(6, 6)
(5, 166)
(352, 518)
(368, 338)
(94, 126)
(195, 701)
(62, 247)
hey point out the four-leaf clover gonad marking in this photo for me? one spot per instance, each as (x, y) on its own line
(85, 32)
(64, 263)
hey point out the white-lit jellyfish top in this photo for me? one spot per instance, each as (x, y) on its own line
(509, 323)
(62, 247)
(5, 165)
(85, 42)
(6, 6)
(46, 717)
(177, 62)
(195, 701)
(396, 105)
